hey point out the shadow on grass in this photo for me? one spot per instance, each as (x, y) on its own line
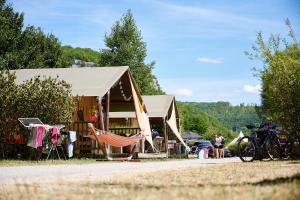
(139, 186)
(294, 162)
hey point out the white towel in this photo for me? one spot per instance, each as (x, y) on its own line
(72, 136)
(71, 140)
(70, 150)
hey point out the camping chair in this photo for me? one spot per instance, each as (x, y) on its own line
(157, 145)
(105, 138)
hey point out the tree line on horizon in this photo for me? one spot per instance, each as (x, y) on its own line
(235, 118)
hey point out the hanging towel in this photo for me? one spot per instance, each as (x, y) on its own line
(72, 136)
(32, 137)
(71, 140)
(54, 135)
(70, 150)
(37, 133)
(40, 135)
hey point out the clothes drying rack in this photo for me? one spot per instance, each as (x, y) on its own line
(26, 122)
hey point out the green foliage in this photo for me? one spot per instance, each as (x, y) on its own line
(280, 79)
(196, 123)
(8, 100)
(25, 47)
(126, 47)
(46, 98)
(194, 119)
(84, 54)
(233, 117)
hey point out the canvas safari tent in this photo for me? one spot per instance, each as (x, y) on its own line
(236, 139)
(101, 91)
(163, 118)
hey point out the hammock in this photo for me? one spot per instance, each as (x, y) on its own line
(113, 139)
(117, 140)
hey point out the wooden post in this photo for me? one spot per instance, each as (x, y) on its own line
(107, 102)
(166, 137)
(101, 125)
(100, 110)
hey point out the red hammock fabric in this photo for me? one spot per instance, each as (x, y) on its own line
(117, 140)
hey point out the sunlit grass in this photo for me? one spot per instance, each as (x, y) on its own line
(258, 180)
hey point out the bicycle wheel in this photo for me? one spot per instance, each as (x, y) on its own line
(273, 149)
(246, 149)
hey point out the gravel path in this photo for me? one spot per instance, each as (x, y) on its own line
(96, 171)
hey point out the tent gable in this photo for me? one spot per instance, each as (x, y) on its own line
(158, 105)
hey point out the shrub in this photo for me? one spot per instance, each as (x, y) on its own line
(46, 98)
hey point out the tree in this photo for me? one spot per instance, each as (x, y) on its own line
(197, 123)
(25, 47)
(46, 98)
(280, 79)
(126, 47)
(11, 24)
(194, 119)
(8, 99)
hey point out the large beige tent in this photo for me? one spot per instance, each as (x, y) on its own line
(163, 107)
(105, 89)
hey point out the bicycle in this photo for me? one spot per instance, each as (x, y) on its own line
(261, 144)
(287, 145)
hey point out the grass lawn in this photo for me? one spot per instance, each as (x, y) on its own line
(257, 180)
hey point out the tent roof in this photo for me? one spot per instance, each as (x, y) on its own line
(85, 81)
(156, 105)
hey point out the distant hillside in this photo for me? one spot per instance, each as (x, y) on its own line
(71, 54)
(200, 122)
(233, 117)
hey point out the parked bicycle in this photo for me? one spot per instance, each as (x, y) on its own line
(288, 146)
(263, 143)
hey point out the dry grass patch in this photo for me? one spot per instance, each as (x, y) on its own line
(258, 180)
(8, 163)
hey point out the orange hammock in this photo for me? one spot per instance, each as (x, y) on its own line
(114, 140)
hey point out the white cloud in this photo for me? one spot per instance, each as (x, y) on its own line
(215, 15)
(212, 90)
(183, 92)
(253, 89)
(210, 60)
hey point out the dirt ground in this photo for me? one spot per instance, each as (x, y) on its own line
(41, 172)
(210, 180)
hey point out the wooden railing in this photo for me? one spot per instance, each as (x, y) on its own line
(124, 131)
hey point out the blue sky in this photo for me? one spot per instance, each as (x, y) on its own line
(198, 45)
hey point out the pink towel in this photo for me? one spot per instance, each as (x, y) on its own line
(54, 135)
(40, 135)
